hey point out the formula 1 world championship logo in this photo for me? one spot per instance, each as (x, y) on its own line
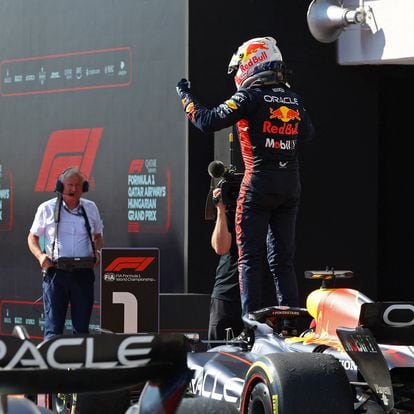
(130, 289)
(138, 264)
(66, 148)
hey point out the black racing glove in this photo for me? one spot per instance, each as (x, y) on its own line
(187, 100)
(183, 88)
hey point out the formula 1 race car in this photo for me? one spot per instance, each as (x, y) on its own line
(357, 356)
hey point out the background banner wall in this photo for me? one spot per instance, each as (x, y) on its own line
(93, 84)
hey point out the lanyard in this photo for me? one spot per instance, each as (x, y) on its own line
(81, 212)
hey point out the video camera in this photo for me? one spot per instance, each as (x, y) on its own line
(229, 181)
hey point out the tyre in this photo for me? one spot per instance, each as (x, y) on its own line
(197, 405)
(205, 406)
(260, 401)
(111, 402)
(290, 383)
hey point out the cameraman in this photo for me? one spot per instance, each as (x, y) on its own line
(225, 306)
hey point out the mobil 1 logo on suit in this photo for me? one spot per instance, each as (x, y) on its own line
(130, 289)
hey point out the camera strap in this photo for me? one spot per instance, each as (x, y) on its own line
(58, 207)
(88, 228)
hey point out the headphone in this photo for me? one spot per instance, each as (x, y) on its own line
(66, 173)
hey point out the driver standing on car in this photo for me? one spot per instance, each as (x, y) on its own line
(271, 123)
(71, 227)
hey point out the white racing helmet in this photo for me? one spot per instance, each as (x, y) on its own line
(257, 62)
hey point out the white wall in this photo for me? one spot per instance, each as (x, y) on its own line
(388, 38)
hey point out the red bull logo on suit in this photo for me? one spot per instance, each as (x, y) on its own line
(284, 113)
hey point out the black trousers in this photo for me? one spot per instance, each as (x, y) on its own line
(224, 314)
(61, 289)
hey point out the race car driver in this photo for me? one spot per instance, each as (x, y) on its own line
(271, 123)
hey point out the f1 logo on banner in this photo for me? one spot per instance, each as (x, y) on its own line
(67, 148)
(130, 290)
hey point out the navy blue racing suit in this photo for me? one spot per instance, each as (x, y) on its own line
(271, 124)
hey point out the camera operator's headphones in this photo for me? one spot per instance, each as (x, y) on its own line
(66, 173)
